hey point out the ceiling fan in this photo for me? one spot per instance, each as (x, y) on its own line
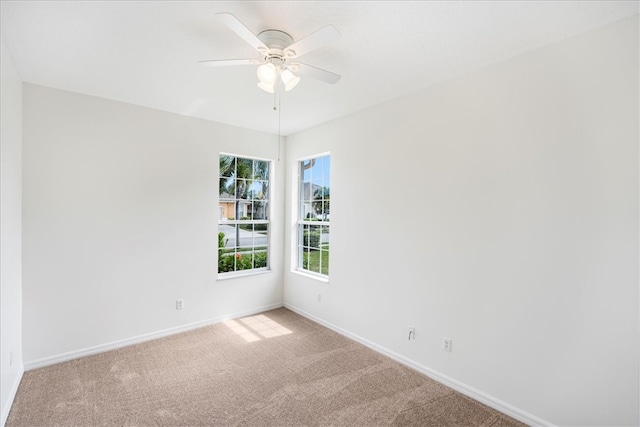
(278, 54)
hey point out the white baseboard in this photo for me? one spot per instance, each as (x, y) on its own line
(52, 360)
(465, 389)
(6, 408)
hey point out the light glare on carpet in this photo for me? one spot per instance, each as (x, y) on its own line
(255, 328)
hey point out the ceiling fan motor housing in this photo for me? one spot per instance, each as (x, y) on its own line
(277, 41)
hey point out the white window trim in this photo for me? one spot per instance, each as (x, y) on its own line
(269, 222)
(298, 221)
(242, 273)
(311, 275)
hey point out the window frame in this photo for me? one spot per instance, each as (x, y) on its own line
(237, 222)
(300, 222)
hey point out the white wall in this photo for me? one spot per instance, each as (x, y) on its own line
(517, 233)
(120, 220)
(11, 366)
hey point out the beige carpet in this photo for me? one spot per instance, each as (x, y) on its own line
(273, 369)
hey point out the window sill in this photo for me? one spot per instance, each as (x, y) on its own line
(235, 275)
(311, 276)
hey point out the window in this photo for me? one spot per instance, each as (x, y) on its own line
(243, 227)
(314, 214)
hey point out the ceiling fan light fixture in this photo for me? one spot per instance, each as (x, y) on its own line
(267, 73)
(289, 79)
(266, 87)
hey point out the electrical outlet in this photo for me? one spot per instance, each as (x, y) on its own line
(446, 344)
(412, 333)
(179, 304)
(319, 297)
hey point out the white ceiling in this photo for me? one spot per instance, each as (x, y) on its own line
(147, 52)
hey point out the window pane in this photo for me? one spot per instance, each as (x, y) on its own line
(314, 261)
(254, 190)
(261, 236)
(261, 170)
(316, 186)
(244, 168)
(307, 208)
(242, 189)
(324, 268)
(262, 190)
(326, 185)
(227, 166)
(238, 211)
(324, 239)
(245, 234)
(308, 192)
(315, 233)
(305, 170)
(305, 235)
(326, 166)
(261, 229)
(325, 210)
(226, 210)
(260, 259)
(244, 260)
(226, 261)
(226, 188)
(301, 191)
(305, 258)
(316, 169)
(259, 210)
(227, 236)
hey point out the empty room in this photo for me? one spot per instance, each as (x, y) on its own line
(170, 255)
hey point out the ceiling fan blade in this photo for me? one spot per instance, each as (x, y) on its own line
(313, 41)
(239, 28)
(315, 73)
(224, 62)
